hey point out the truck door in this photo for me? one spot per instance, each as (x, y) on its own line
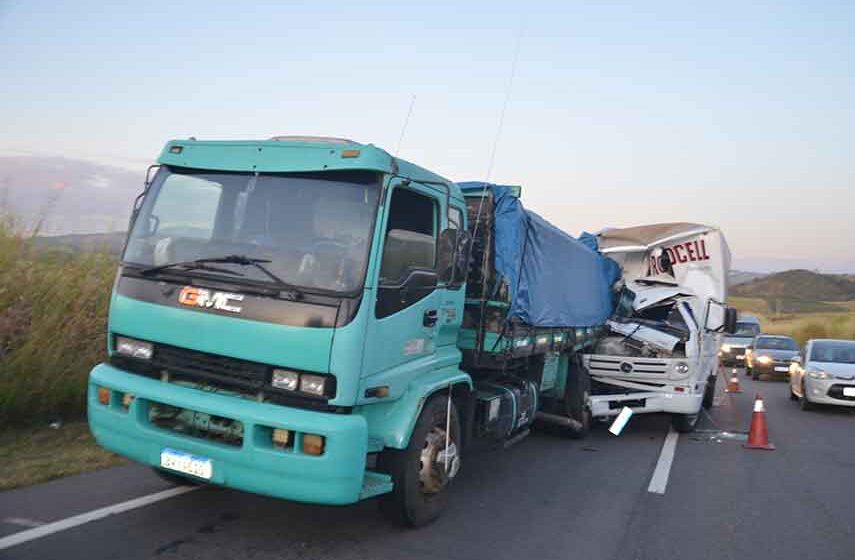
(401, 337)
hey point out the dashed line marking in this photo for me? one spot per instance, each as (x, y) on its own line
(94, 515)
(659, 480)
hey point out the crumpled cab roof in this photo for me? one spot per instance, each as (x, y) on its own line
(641, 238)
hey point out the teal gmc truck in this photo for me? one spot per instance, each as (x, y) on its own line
(316, 320)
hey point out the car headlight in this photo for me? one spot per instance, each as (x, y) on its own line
(285, 379)
(764, 359)
(313, 384)
(725, 348)
(134, 348)
(818, 374)
(682, 367)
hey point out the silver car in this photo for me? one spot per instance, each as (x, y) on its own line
(824, 374)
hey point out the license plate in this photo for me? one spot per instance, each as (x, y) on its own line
(186, 463)
(849, 391)
(782, 368)
(740, 357)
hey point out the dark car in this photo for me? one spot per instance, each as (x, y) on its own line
(772, 355)
(734, 345)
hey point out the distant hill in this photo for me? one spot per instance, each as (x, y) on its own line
(799, 285)
(737, 277)
(67, 195)
(111, 242)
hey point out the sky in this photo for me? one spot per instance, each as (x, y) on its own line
(737, 114)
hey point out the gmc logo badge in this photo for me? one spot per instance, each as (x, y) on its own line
(206, 299)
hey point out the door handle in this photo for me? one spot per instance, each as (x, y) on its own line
(430, 318)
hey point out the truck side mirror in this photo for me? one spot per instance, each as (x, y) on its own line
(730, 318)
(453, 256)
(445, 255)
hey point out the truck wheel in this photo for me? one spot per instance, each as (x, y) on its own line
(709, 392)
(419, 472)
(577, 394)
(685, 423)
(176, 479)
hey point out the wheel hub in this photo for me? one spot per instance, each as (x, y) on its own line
(437, 465)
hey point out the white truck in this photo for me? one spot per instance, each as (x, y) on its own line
(661, 352)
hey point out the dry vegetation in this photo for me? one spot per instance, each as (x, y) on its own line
(33, 455)
(838, 323)
(53, 312)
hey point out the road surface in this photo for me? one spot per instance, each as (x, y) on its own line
(545, 498)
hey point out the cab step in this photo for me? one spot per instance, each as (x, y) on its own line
(374, 484)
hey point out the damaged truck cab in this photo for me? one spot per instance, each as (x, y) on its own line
(661, 351)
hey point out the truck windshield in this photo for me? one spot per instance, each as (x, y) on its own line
(747, 329)
(313, 228)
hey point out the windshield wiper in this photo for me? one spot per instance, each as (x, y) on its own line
(198, 264)
(243, 260)
(250, 261)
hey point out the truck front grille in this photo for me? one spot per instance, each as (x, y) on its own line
(609, 365)
(214, 371)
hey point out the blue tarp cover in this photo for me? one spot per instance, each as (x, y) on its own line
(554, 279)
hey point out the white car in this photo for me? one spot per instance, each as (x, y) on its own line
(825, 374)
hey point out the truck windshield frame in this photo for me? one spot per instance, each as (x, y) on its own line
(314, 228)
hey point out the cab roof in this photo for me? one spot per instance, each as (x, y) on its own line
(292, 154)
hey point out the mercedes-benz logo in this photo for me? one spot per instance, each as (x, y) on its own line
(626, 367)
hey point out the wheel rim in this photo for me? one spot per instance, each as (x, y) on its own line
(437, 466)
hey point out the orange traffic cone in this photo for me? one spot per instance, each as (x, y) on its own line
(733, 384)
(758, 435)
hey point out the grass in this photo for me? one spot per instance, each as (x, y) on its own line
(32, 455)
(53, 324)
(838, 322)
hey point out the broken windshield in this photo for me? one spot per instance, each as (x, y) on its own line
(312, 230)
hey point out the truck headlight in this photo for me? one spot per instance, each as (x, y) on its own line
(134, 348)
(313, 384)
(285, 379)
(764, 359)
(682, 367)
(725, 348)
(818, 374)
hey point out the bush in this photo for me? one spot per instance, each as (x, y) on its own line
(53, 315)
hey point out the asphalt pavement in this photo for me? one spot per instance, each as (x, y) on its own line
(544, 498)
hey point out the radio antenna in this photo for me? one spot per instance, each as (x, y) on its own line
(492, 158)
(406, 122)
(504, 105)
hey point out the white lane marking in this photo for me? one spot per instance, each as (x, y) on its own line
(23, 522)
(659, 480)
(70, 522)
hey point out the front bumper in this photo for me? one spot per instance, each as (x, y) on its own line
(734, 357)
(335, 477)
(675, 403)
(774, 369)
(828, 391)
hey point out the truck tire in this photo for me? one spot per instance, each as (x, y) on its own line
(420, 481)
(577, 393)
(709, 392)
(685, 423)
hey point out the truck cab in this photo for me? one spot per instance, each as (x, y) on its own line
(282, 312)
(661, 351)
